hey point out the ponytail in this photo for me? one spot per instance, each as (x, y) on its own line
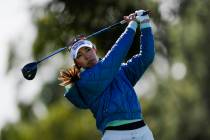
(69, 76)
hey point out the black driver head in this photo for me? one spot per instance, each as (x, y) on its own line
(29, 70)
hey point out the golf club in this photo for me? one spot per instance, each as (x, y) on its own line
(29, 70)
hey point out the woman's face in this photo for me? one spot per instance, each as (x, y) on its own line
(86, 57)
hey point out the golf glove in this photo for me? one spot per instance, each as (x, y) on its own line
(143, 19)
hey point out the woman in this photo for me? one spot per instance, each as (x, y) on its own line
(106, 86)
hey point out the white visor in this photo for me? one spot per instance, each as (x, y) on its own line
(75, 48)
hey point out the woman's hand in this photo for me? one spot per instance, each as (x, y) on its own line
(143, 19)
(139, 17)
(131, 17)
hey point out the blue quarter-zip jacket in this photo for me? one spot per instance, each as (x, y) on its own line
(107, 88)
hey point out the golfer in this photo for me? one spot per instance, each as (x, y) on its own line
(105, 86)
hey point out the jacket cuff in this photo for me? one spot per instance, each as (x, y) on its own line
(132, 25)
(145, 25)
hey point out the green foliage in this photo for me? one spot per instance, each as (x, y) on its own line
(179, 109)
(62, 121)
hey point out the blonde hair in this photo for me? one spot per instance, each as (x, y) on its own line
(69, 76)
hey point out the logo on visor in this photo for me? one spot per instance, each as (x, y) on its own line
(77, 44)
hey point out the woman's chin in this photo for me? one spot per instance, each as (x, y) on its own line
(92, 63)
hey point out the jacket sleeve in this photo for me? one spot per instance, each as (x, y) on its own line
(73, 95)
(136, 66)
(97, 78)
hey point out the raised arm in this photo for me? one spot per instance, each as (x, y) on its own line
(136, 66)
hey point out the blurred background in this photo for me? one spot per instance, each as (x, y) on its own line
(174, 91)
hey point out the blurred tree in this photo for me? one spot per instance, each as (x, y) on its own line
(176, 109)
(185, 102)
(63, 122)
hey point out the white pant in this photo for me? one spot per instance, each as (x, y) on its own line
(143, 133)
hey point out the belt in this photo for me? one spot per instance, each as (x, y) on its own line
(129, 126)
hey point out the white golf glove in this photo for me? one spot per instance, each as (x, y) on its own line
(143, 19)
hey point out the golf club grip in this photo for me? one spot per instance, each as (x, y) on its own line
(147, 12)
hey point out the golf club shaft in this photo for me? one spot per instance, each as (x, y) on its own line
(112, 26)
(54, 53)
(106, 29)
(90, 36)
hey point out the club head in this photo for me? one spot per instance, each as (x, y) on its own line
(29, 70)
